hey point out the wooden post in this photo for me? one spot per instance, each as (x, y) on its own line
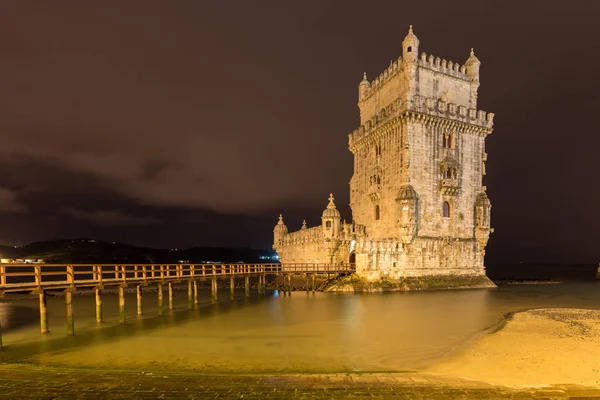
(121, 304)
(160, 298)
(69, 304)
(231, 288)
(171, 304)
(213, 290)
(289, 277)
(260, 285)
(196, 299)
(307, 288)
(190, 295)
(247, 285)
(0, 335)
(43, 313)
(140, 307)
(313, 282)
(98, 306)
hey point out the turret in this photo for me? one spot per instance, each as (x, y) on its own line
(482, 219)
(410, 47)
(472, 66)
(363, 88)
(331, 219)
(279, 232)
(410, 53)
(407, 204)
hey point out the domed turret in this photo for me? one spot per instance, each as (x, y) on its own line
(331, 219)
(410, 46)
(483, 208)
(363, 88)
(279, 232)
(407, 203)
(473, 65)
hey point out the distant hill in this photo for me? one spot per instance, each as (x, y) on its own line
(84, 251)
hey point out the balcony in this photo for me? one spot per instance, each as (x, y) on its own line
(375, 192)
(449, 186)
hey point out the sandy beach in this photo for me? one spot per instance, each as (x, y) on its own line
(535, 347)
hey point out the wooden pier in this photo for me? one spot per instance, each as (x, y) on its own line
(41, 278)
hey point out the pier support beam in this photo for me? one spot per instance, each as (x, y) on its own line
(171, 304)
(196, 299)
(159, 293)
(69, 307)
(43, 313)
(247, 285)
(213, 290)
(99, 306)
(289, 283)
(313, 283)
(190, 295)
(307, 287)
(232, 288)
(140, 304)
(0, 335)
(121, 304)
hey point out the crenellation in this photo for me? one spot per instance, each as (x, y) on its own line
(416, 191)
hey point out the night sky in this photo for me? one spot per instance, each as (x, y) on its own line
(185, 123)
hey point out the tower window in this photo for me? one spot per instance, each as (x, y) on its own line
(446, 210)
(328, 224)
(377, 212)
(378, 150)
(409, 49)
(448, 141)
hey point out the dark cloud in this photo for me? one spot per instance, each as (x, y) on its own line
(209, 118)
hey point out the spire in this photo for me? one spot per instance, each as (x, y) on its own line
(280, 219)
(365, 77)
(303, 224)
(331, 203)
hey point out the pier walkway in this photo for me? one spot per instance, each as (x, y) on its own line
(40, 278)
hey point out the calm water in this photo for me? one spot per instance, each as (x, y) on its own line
(320, 332)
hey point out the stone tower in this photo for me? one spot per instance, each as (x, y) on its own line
(419, 207)
(419, 158)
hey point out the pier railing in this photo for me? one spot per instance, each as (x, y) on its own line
(18, 277)
(40, 278)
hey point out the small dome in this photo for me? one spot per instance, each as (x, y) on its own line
(331, 211)
(280, 227)
(411, 38)
(472, 60)
(406, 192)
(365, 81)
(482, 200)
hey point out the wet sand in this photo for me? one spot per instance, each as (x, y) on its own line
(534, 348)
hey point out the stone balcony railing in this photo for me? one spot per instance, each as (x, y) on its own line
(449, 186)
(375, 192)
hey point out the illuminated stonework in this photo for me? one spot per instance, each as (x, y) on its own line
(418, 204)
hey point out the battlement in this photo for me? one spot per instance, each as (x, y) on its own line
(443, 67)
(307, 235)
(423, 106)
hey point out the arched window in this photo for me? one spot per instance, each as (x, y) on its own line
(377, 212)
(409, 49)
(327, 224)
(446, 210)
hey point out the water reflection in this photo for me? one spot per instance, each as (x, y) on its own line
(297, 332)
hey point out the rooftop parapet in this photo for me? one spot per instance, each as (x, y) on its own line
(424, 106)
(304, 235)
(444, 67)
